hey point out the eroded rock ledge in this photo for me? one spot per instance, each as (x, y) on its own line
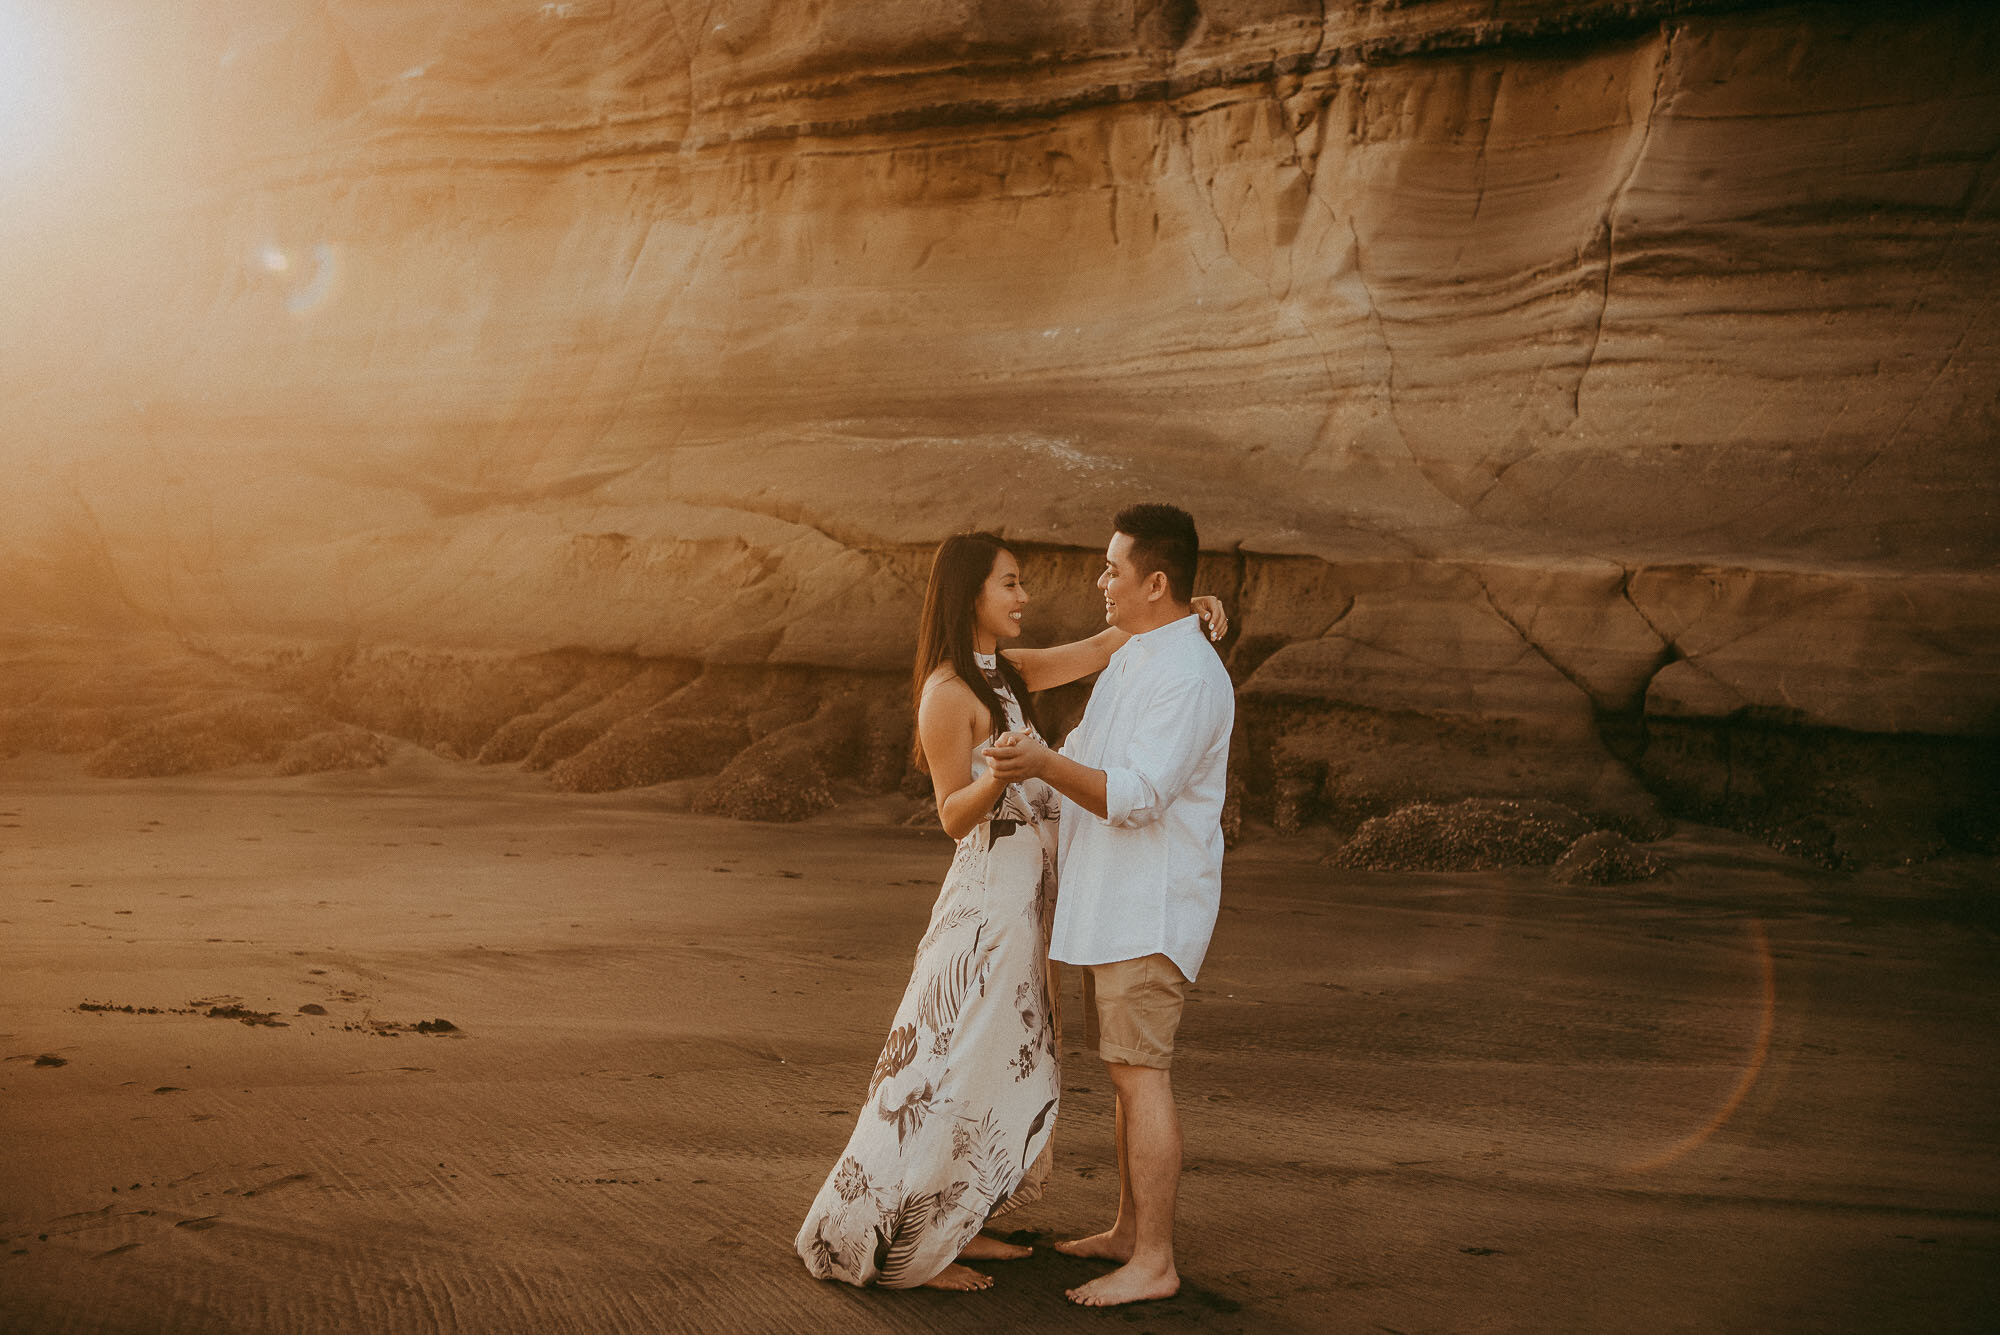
(1850, 719)
(1583, 401)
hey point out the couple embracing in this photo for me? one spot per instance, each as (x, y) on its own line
(1107, 855)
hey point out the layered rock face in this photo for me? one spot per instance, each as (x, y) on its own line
(1581, 400)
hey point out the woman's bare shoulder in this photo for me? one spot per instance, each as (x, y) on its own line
(945, 690)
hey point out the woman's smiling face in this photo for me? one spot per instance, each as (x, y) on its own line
(997, 613)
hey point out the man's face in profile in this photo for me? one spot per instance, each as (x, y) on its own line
(1124, 589)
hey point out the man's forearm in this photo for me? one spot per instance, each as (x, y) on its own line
(1079, 783)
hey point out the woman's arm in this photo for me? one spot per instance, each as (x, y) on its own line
(951, 722)
(1054, 666)
(1063, 663)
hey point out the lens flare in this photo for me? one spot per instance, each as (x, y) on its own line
(306, 280)
(1753, 1061)
(309, 295)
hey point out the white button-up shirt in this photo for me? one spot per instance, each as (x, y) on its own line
(1147, 878)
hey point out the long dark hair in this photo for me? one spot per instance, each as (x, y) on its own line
(944, 632)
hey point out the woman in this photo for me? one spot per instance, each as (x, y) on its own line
(955, 1131)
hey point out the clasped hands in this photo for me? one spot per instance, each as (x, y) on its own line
(1015, 756)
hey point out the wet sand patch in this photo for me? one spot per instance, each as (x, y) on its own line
(1439, 1102)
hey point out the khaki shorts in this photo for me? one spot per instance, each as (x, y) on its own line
(1137, 1007)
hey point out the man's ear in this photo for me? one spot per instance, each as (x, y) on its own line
(1156, 586)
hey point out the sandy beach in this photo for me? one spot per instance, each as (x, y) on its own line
(431, 1048)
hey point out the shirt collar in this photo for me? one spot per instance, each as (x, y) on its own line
(1142, 645)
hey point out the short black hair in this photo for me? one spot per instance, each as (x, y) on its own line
(1163, 539)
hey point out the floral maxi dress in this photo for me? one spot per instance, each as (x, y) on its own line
(956, 1126)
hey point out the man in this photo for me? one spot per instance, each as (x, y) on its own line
(1142, 779)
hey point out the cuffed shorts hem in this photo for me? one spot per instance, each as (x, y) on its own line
(1158, 1061)
(1137, 1005)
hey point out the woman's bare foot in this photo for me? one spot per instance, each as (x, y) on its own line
(1106, 1246)
(986, 1247)
(1127, 1284)
(956, 1278)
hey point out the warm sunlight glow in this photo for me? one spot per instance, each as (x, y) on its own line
(31, 84)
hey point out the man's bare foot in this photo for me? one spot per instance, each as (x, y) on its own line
(1105, 1246)
(986, 1247)
(956, 1278)
(1127, 1284)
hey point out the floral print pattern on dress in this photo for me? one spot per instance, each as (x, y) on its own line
(1024, 1063)
(850, 1180)
(897, 1053)
(925, 1169)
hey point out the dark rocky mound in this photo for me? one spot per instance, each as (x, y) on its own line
(1474, 835)
(1605, 857)
(576, 729)
(649, 748)
(447, 703)
(234, 732)
(787, 775)
(335, 749)
(769, 792)
(518, 736)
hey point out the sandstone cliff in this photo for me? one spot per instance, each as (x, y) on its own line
(1582, 400)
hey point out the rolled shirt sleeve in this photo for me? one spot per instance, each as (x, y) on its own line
(1173, 734)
